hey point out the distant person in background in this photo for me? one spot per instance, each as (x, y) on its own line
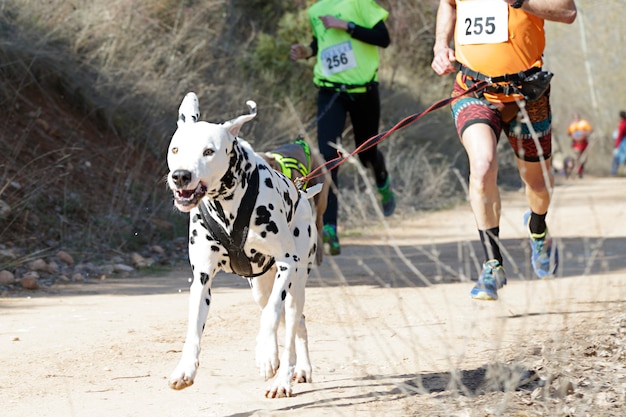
(619, 150)
(502, 39)
(346, 38)
(579, 131)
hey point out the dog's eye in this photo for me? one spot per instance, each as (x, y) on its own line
(174, 150)
(208, 152)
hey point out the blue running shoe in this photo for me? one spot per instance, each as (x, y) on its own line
(544, 253)
(331, 240)
(387, 198)
(491, 279)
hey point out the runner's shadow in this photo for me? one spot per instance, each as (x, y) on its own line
(450, 262)
(488, 378)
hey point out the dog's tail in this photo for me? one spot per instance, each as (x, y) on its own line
(189, 110)
(312, 191)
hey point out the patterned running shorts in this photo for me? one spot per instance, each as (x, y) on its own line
(473, 108)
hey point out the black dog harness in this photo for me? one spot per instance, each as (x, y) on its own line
(234, 243)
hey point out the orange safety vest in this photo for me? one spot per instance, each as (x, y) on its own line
(523, 49)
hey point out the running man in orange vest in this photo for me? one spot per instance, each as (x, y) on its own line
(579, 131)
(502, 40)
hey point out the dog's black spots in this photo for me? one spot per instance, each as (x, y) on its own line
(192, 240)
(308, 269)
(208, 292)
(253, 251)
(262, 167)
(296, 232)
(207, 301)
(248, 165)
(283, 295)
(193, 267)
(218, 210)
(215, 248)
(290, 285)
(203, 326)
(270, 206)
(269, 183)
(258, 258)
(196, 218)
(194, 232)
(278, 276)
(263, 217)
(283, 268)
(287, 255)
(296, 258)
(232, 216)
(308, 229)
(289, 204)
(204, 277)
(264, 234)
(229, 179)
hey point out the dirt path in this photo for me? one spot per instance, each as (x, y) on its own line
(381, 339)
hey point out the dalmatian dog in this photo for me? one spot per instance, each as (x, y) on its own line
(251, 220)
(296, 160)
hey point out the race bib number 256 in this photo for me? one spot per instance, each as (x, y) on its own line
(482, 21)
(338, 58)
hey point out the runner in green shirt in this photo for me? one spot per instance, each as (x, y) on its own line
(346, 37)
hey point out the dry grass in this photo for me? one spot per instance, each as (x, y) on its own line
(124, 65)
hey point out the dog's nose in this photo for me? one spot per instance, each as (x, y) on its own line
(181, 177)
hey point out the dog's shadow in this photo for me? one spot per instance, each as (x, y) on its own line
(470, 383)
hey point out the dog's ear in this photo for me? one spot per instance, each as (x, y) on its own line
(234, 125)
(189, 110)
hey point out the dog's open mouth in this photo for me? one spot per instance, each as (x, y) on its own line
(189, 198)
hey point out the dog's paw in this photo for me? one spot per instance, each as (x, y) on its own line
(267, 359)
(182, 377)
(302, 376)
(279, 390)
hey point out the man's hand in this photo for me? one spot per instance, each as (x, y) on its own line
(299, 51)
(332, 22)
(443, 61)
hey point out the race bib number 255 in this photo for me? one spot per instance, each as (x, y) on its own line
(482, 21)
(338, 58)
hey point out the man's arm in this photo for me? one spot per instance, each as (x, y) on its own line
(378, 35)
(563, 11)
(443, 61)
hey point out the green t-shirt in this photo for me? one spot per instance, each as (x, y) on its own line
(341, 58)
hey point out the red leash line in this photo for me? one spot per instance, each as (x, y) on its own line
(374, 140)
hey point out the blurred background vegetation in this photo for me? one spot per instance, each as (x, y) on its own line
(90, 91)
